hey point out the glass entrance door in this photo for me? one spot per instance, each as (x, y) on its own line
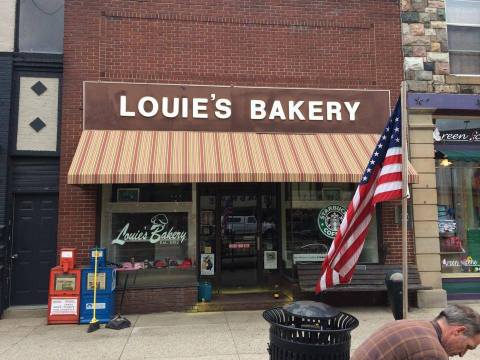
(239, 239)
(239, 234)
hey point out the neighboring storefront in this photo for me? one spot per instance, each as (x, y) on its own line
(452, 144)
(31, 66)
(457, 153)
(236, 183)
(442, 68)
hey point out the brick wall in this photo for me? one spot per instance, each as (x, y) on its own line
(327, 44)
(144, 301)
(392, 236)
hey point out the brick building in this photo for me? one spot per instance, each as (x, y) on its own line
(164, 163)
(442, 68)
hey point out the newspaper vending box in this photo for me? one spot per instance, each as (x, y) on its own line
(64, 290)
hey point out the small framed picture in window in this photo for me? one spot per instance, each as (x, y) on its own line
(207, 217)
(128, 195)
(331, 194)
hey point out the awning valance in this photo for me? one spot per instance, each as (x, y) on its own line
(109, 156)
(459, 152)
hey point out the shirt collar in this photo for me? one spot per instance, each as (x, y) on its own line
(438, 330)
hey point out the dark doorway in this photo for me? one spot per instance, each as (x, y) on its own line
(239, 239)
(239, 227)
(34, 247)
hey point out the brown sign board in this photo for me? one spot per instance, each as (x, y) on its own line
(133, 106)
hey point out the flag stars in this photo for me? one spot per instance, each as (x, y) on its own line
(376, 168)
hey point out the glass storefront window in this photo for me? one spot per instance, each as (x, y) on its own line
(146, 228)
(207, 234)
(458, 191)
(150, 239)
(152, 193)
(314, 212)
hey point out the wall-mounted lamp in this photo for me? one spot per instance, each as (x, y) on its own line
(445, 162)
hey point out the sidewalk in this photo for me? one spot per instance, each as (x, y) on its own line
(241, 335)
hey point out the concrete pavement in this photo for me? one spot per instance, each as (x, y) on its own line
(235, 335)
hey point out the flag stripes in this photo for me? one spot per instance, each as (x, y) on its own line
(382, 181)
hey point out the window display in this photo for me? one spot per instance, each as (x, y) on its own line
(314, 212)
(458, 192)
(150, 239)
(151, 193)
(147, 229)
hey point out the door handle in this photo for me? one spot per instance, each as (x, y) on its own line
(14, 256)
(258, 243)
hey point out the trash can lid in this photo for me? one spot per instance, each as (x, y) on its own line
(311, 309)
(394, 276)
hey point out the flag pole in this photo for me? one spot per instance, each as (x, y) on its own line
(405, 195)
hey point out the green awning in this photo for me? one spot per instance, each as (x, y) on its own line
(462, 155)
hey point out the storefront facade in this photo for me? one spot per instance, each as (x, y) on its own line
(441, 67)
(458, 191)
(241, 171)
(31, 61)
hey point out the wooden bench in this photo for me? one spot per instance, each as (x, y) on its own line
(365, 278)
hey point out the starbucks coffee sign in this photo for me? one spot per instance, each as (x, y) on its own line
(329, 219)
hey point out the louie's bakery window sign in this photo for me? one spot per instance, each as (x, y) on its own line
(150, 239)
(155, 228)
(132, 106)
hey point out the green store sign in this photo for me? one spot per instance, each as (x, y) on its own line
(329, 219)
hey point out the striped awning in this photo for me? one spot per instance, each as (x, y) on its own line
(108, 157)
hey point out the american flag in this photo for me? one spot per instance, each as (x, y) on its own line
(381, 181)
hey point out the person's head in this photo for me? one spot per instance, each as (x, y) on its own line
(460, 329)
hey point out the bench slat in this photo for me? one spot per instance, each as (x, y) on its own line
(365, 278)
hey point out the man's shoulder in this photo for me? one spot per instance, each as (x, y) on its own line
(407, 326)
(400, 340)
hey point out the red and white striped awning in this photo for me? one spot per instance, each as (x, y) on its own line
(108, 156)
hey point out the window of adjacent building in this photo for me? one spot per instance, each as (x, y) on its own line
(40, 26)
(314, 212)
(463, 28)
(457, 144)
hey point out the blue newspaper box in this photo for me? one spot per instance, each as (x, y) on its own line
(105, 305)
(106, 279)
(102, 257)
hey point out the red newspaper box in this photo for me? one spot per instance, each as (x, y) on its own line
(64, 290)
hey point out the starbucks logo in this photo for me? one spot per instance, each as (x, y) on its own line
(329, 220)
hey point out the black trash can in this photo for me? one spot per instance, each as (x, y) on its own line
(394, 283)
(309, 330)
